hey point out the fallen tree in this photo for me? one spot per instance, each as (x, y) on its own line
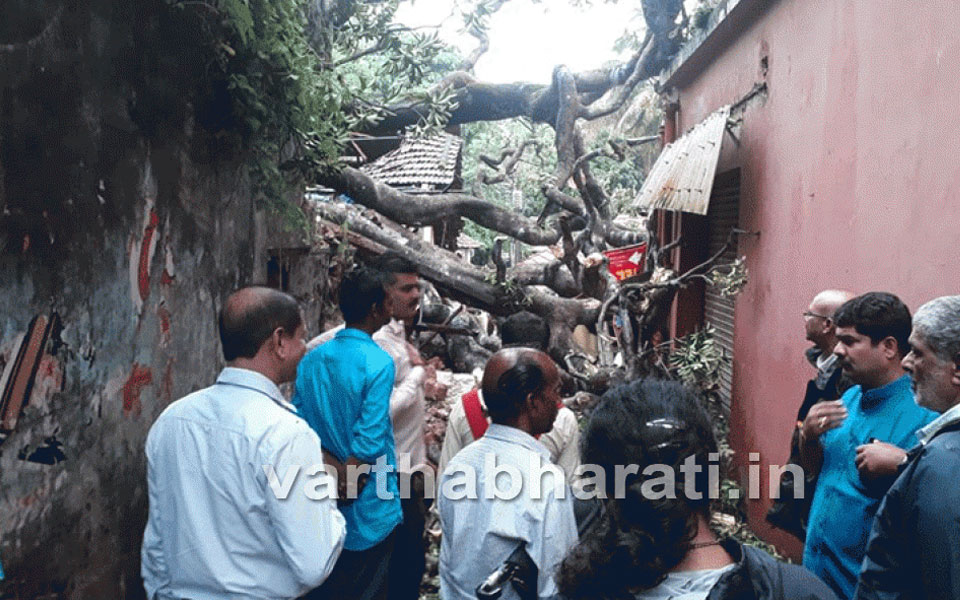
(575, 288)
(290, 82)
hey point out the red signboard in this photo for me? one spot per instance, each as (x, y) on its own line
(626, 262)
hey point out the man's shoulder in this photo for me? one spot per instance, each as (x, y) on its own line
(250, 411)
(566, 416)
(907, 410)
(936, 468)
(376, 359)
(457, 412)
(324, 337)
(186, 406)
(943, 449)
(794, 580)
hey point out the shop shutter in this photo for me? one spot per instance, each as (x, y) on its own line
(718, 311)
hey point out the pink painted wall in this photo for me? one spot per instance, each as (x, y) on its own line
(850, 171)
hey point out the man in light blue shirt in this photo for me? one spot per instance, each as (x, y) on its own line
(872, 334)
(221, 524)
(343, 390)
(483, 520)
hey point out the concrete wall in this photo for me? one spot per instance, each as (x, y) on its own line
(118, 214)
(849, 171)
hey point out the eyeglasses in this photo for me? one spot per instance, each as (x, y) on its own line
(807, 313)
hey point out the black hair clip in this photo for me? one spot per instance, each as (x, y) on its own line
(671, 425)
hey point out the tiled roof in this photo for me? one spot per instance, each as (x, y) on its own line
(429, 161)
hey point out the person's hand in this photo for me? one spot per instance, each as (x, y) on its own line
(879, 459)
(338, 470)
(437, 363)
(434, 390)
(823, 417)
(415, 359)
(351, 488)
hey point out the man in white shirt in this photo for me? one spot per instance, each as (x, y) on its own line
(240, 506)
(562, 441)
(484, 516)
(407, 413)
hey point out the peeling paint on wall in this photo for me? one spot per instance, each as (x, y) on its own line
(50, 453)
(143, 243)
(169, 269)
(147, 246)
(23, 370)
(164, 317)
(140, 377)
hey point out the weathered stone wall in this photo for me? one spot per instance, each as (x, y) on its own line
(124, 220)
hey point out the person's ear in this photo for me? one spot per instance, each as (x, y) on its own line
(388, 304)
(531, 401)
(891, 349)
(276, 341)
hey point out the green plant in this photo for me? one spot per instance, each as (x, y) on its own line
(294, 89)
(697, 359)
(730, 279)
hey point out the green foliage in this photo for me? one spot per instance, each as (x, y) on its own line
(491, 138)
(697, 359)
(441, 102)
(731, 278)
(295, 92)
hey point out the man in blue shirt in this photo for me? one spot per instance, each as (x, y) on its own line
(872, 333)
(343, 391)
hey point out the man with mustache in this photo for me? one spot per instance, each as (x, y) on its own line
(413, 379)
(912, 552)
(872, 333)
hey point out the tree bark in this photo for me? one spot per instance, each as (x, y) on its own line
(413, 209)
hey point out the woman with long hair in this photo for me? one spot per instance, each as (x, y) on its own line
(654, 540)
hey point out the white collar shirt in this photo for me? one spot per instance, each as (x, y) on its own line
(951, 416)
(216, 527)
(480, 532)
(407, 401)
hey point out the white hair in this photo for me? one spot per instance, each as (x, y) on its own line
(938, 323)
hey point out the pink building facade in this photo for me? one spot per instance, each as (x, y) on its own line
(848, 166)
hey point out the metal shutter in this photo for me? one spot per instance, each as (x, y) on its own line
(722, 216)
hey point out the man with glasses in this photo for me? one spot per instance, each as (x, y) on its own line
(821, 329)
(789, 512)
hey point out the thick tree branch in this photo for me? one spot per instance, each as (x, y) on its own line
(566, 201)
(465, 281)
(493, 102)
(436, 264)
(413, 209)
(619, 94)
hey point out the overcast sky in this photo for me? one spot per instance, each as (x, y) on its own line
(527, 40)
